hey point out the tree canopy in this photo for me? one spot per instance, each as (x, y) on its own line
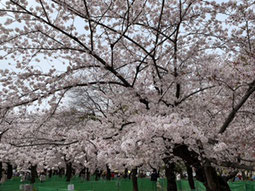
(146, 78)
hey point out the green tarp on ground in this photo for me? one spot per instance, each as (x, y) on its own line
(144, 184)
(183, 185)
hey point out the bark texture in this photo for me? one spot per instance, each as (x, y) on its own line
(170, 175)
(190, 177)
(68, 171)
(9, 171)
(33, 174)
(108, 173)
(205, 173)
(134, 179)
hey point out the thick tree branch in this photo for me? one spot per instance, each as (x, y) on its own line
(43, 144)
(193, 93)
(232, 114)
(234, 165)
(68, 87)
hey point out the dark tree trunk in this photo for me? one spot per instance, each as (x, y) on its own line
(214, 182)
(206, 173)
(73, 172)
(61, 172)
(191, 159)
(50, 173)
(244, 177)
(97, 175)
(108, 173)
(68, 171)
(190, 177)
(200, 175)
(9, 171)
(134, 179)
(87, 174)
(55, 172)
(170, 175)
(33, 174)
(82, 172)
(125, 173)
(1, 170)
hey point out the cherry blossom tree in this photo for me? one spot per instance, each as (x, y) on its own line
(171, 78)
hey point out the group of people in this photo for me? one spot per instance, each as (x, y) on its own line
(239, 177)
(26, 176)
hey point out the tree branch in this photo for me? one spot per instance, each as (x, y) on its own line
(232, 114)
(42, 144)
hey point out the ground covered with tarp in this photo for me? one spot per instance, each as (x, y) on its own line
(59, 184)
